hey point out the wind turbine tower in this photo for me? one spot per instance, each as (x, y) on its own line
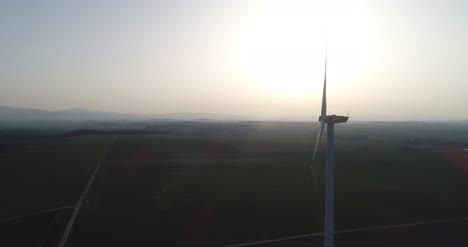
(330, 121)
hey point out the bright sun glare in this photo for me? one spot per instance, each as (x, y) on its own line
(282, 45)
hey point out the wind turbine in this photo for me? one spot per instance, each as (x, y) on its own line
(330, 121)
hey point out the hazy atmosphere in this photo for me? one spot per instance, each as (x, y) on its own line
(388, 60)
(216, 123)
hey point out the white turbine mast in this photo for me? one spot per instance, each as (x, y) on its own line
(330, 121)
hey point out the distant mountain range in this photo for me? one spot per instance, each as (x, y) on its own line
(13, 114)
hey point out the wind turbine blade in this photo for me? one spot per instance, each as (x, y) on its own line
(320, 132)
(324, 95)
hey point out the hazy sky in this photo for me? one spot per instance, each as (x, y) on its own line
(399, 59)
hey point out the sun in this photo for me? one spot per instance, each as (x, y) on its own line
(281, 46)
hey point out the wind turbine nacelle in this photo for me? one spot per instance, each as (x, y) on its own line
(333, 119)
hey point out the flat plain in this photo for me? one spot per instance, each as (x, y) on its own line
(215, 184)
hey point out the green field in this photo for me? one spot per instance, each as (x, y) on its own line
(213, 184)
(47, 174)
(42, 175)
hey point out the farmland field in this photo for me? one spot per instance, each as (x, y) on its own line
(42, 175)
(215, 184)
